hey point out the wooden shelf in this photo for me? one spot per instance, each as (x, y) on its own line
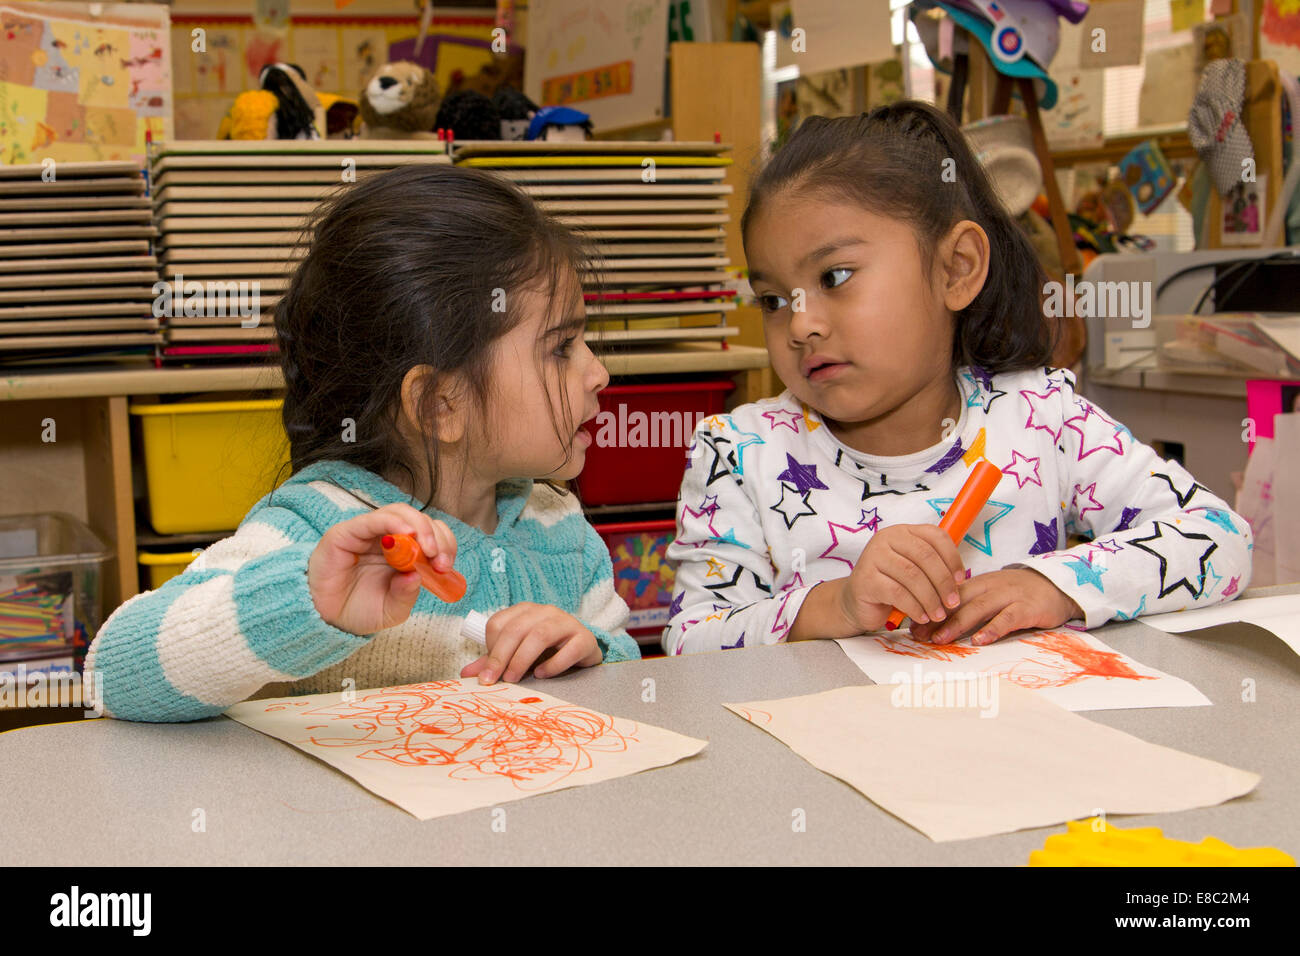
(1173, 143)
(686, 357)
(101, 382)
(1164, 380)
(88, 472)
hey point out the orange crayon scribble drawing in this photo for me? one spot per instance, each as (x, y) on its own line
(754, 716)
(476, 735)
(926, 651)
(1075, 660)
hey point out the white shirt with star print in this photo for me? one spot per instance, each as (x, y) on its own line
(772, 504)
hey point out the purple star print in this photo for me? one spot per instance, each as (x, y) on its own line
(948, 460)
(1126, 519)
(803, 477)
(1046, 532)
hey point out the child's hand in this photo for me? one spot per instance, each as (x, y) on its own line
(522, 634)
(354, 588)
(999, 602)
(913, 567)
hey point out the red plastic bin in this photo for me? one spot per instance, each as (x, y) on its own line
(626, 465)
(642, 577)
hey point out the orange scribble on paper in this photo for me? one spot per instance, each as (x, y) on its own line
(1076, 660)
(478, 734)
(754, 716)
(925, 651)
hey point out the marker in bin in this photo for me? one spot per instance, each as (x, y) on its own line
(974, 494)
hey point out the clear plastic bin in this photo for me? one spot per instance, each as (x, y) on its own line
(51, 571)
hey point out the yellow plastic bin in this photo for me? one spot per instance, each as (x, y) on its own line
(162, 567)
(206, 463)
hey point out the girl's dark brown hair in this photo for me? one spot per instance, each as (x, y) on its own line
(420, 265)
(892, 161)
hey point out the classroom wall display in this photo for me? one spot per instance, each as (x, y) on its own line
(1119, 43)
(1222, 38)
(1243, 212)
(1075, 122)
(606, 58)
(337, 53)
(1168, 86)
(1279, 34)
(80, 87)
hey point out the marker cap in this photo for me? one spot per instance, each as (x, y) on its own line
(475, 627)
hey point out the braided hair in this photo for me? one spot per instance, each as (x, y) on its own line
(911, 162)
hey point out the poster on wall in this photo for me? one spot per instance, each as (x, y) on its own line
(1279, 34)
(77, 86)
(1243, 213)
(1075, 122)
(604, 57)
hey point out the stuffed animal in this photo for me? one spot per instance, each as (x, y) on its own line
(400, 101)
(469, 115)
(286, 108)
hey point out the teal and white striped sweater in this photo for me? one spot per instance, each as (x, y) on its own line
(241, 617)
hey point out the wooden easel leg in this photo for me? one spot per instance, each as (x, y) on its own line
(1001, 96)
(1070, 260)
(957, 90)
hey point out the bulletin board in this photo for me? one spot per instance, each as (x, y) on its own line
(337, 53)
(77, 87)
(606, 58)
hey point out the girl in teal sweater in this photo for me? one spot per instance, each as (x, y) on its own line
(437, 377)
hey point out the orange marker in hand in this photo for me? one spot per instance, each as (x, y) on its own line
(403, 553)
(984, 477)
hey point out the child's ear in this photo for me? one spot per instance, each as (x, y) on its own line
(440, 416)
(965, 261)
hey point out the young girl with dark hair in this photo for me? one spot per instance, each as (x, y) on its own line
(901, 309)
(437, 376)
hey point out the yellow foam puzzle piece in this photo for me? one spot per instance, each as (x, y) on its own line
(1093, 842)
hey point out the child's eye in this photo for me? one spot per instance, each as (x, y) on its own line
(830, 272)
(770, 302)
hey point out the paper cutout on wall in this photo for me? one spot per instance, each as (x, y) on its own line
(959, 771)
(449, 746)
(603, 57)
(1076, 121)
(1070, 668)
(77, 88)
(1279, 34)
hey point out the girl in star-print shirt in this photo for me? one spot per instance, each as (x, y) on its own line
(901, 309)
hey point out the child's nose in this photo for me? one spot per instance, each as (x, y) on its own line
(807, 322)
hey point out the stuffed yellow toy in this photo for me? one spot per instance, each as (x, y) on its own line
(287, 108)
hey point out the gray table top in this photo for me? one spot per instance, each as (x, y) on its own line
(106, 792)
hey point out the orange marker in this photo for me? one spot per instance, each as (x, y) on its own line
(981, 481)
(403, 553)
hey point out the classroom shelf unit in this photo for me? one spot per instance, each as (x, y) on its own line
(87, 469)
